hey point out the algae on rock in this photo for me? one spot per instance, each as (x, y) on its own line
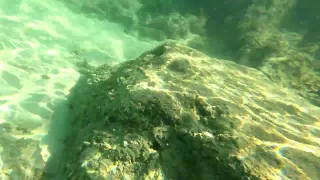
(174, 112)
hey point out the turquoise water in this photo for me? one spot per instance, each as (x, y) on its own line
(46, 45)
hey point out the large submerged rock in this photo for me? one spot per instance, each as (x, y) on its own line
(176, 113)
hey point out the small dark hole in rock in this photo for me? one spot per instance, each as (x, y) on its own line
(155, 145)
(113, 119)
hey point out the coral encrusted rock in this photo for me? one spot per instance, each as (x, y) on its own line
(176, 113)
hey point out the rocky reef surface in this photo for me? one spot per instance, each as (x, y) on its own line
(176, 113)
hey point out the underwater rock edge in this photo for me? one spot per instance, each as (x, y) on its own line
(174, 112)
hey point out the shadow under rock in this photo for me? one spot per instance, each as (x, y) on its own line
(59, 131)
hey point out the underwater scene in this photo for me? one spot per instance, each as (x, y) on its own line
(159, 90)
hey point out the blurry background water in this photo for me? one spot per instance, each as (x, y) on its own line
(43, 43)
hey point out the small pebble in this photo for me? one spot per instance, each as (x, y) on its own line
(44, 76)
(125, 143)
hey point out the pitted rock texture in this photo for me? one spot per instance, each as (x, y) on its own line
(176, 113)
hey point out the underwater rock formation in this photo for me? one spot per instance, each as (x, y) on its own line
(272, 41)
(174, 112)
